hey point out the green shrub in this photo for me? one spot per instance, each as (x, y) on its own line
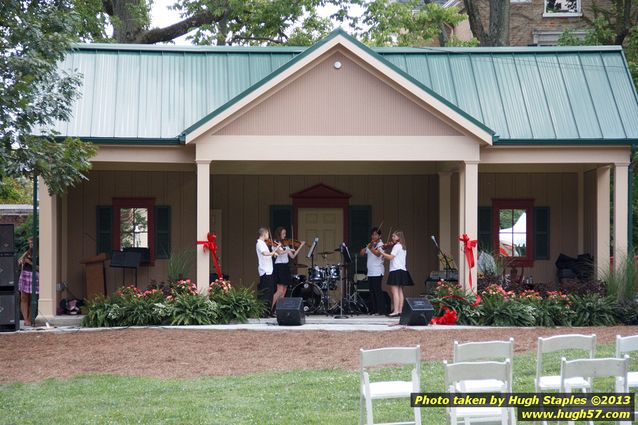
(627, 312)
(190, 309)
(499, 311)
(593, 310)
(236, 304)
(454, 297)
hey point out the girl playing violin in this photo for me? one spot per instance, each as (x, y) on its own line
(375, 271)
(285, 252)
(399, 276)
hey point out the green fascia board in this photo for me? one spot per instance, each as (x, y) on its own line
(185, 49)
(125, 141)
(509, 49)
(316, 46)
(566, 142)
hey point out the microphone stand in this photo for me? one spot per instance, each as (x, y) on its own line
(345, 269)
(448, 267)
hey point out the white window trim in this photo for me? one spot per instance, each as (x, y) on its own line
(562, 15)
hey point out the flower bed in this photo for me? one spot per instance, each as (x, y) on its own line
(497, 307)
(179, 304)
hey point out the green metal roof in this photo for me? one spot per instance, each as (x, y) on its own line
(524, 94)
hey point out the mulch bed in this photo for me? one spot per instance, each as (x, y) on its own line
(178, 353)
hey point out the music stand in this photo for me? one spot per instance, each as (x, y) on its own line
(311, 251)
(126, 260)
(347, 259)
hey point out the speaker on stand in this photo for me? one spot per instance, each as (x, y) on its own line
(9, 310)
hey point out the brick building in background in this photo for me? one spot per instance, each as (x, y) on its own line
(537, 22)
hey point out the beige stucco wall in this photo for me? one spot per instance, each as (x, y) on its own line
(558, 191)
(176, 189)
(405, 201)
(409, 202)
(350, 101)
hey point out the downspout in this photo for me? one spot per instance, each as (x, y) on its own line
(630, 200)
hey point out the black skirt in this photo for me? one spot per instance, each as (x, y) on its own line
(281, 272)
(400, 278)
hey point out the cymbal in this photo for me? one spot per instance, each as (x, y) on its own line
(326, 253)
(299, 266)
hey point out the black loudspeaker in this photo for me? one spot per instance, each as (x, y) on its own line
(7, 244)
(9, 320)
(290, 312)
(8, 276)
(416, 312)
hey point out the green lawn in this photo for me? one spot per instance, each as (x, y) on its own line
(294, 397)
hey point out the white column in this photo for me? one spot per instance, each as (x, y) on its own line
(603, 221)
(621, 177)
(445, 205)
(461, 263)
(47, 251)
(471, 215)
(203, 224)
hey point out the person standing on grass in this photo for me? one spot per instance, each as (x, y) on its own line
(399, 276)
(266, 286)
(25, 285)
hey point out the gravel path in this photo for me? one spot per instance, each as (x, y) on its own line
(175, 353)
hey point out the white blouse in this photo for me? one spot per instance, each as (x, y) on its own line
(400, 254)
(283, 258)
(375, 264)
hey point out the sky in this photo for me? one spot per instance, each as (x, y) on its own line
(161, 16)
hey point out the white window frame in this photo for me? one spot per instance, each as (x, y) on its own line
(578, 13)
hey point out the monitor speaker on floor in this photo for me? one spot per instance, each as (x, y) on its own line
(290, 312)
(416, 312)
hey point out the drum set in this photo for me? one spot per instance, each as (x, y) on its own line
(322, 288)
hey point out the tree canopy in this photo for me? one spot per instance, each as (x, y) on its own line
(34, 36)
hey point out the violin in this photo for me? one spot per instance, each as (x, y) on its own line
(285, 242)
(295, 244)
(272, 243)
(388, 246)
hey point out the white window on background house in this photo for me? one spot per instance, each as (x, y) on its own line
(560, 8)
(550, 37)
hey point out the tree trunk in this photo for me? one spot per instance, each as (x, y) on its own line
(498, 23)
(128, 23)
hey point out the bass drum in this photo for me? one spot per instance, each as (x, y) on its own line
(311, 295)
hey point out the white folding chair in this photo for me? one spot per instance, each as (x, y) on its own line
(478, 371)
(484, 351)
(559, 343)
(594, 368)
(389, 389)
(625, 345)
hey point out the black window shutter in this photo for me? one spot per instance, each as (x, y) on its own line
(162, 232)
(485, 229)
(281, 215)
(359, 225)
(104, 225)
(541, 233)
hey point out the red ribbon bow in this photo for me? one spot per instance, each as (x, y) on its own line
(211, 245)
(468, 247)
(449, 318)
